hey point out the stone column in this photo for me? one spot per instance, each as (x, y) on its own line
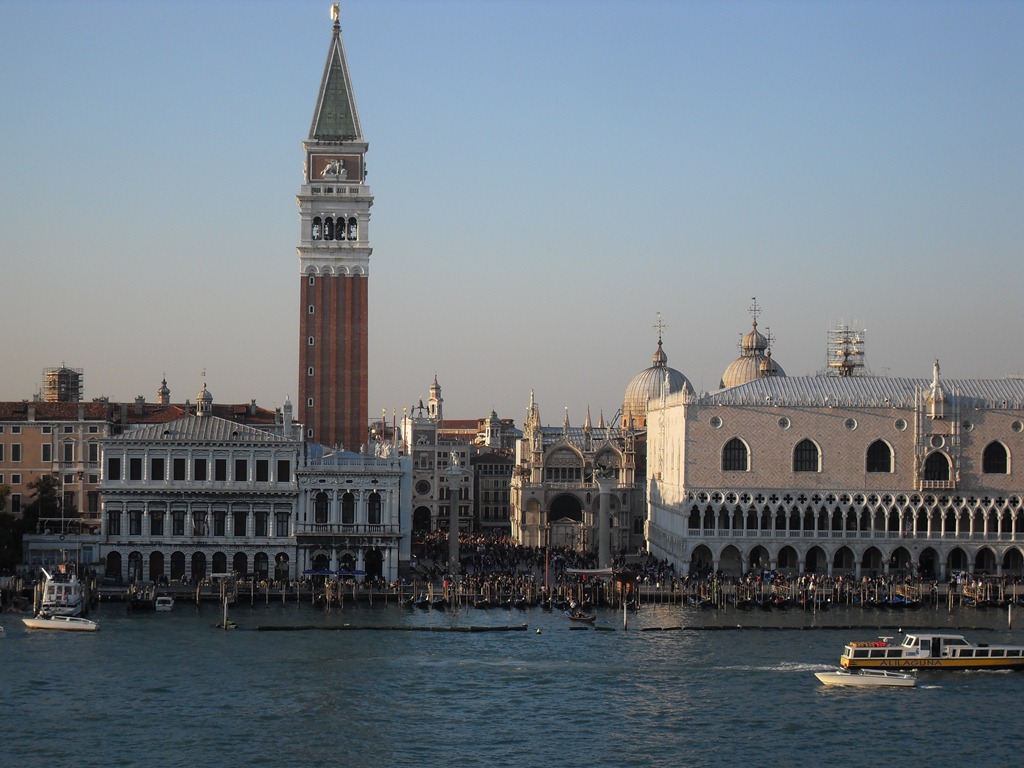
(604, 506)
(455, 474)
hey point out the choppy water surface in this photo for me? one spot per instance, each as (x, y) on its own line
(169, 689)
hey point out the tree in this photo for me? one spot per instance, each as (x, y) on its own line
(45, 501)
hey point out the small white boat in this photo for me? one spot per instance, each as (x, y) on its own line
(868, 678)
(67, 623)
(165, 602)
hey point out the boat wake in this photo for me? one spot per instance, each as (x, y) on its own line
(784, 666)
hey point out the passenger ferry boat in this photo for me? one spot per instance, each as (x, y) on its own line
(931, 650)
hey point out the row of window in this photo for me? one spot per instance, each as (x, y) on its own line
(46, 454)
(215, 524)
(995, 459)
(201, 470)
(322, 505)
(48, 430)
(331, 229)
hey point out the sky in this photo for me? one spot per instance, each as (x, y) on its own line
(548, 177)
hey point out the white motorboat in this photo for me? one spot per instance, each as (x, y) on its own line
(165, 602)
(61, 592)
(66, 623)
(868, 678)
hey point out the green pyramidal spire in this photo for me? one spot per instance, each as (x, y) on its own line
(335, 118)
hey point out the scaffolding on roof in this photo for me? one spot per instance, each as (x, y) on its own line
(845, 351)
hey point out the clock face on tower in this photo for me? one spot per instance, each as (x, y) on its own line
(422, 487)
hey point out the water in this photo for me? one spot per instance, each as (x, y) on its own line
(169, 689)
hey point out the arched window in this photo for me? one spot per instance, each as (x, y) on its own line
(995, 461)
(373, 511)
(328, 228)
(806, 457)
(321, 504)
(353, 229)
(348, 509)
(318, 228)
(735, 457)
(879, 458)
(936, 467)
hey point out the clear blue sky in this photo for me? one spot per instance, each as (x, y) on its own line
(548, 176)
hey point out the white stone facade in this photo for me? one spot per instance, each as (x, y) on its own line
(353, 515)
(200, 495)
(840, 475)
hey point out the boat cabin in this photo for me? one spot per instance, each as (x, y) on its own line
(930, 650)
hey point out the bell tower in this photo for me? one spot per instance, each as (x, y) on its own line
(334, 260)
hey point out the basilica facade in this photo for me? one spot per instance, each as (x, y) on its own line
(583, 487)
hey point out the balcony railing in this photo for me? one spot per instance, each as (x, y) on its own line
(771, 533)
(337, 529)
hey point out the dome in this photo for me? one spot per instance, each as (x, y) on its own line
(755, 361)
(204, 402)
(770, 368)
(741, 370)
(754, 341)
(648, 384)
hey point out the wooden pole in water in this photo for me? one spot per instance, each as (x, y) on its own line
(1009, 615)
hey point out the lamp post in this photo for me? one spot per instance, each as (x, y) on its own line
(547, 556)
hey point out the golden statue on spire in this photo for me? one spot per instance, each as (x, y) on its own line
(334, 12)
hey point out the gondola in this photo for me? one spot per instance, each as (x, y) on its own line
(575, 614)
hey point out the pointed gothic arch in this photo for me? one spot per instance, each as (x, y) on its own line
(937, 467)
(806, 456)
(736, 456)
(759, 558)
(985, 561)
(815, 561)
(843, 562)
(879, 457)
(788, 559)
(995, 459)
(701, 561)
(1013, 561)
(871, 561)
(730, 561)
